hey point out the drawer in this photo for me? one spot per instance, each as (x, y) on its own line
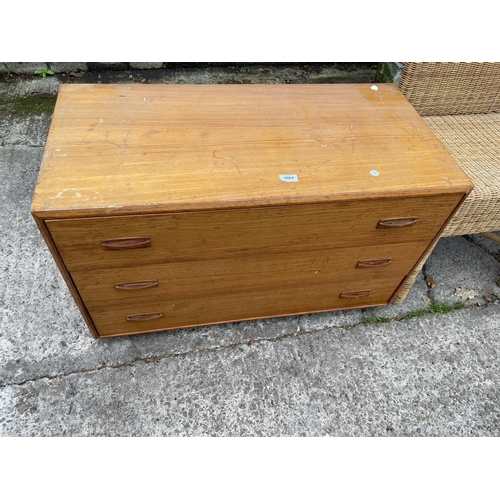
(235, 306)
(190, 279)
(206, 235)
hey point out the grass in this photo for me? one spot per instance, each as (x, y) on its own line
(415, 314)
(442, 308)
(436, 308)
(376, 320)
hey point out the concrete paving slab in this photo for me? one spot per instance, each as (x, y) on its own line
(21, 131)
(491, 246)
(25, 68)
(457, 262)
(146, 65)
(322, 321)
(27, 87)
(438, 376)
(66, 67)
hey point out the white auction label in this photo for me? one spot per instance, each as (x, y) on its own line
(289, 178)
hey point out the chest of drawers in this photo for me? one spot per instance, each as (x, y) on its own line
(167, 206)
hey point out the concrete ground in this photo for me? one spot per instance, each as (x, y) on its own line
(418, 369)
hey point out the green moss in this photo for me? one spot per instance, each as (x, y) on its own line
(415, 314)
(362, 75)
(232, 81)
(36, 104)
(436, 308)
(442, 308)
(375, 320)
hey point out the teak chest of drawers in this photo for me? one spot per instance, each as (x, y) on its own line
(168, 206)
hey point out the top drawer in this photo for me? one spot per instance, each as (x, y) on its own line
(83, 243)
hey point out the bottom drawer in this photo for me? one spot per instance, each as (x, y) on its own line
(236, 306)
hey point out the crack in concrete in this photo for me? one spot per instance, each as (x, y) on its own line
(19, 145)
(158, 358)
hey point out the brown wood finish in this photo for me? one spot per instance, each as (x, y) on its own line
(136, 285)
(126, 243)
(125, 149)
(373, 263)
(358, 294)
(224, 233)
(397, 223)
(144, 316)
(166, 206)
(250, 273)
(66, 276)
(234, 306)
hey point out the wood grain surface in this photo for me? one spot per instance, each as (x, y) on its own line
(127, 149)
(234, 306)
(193, 279)
(225, 233)
(66, 276)
(168, 206)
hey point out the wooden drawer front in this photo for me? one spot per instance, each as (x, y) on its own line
(190, 279)
(235, 306)
(260, 231)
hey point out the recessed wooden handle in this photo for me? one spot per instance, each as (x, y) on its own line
(136, 285)
(126, 243)
(374, 263)
(355, 295)
(144, 316)
(396, 223)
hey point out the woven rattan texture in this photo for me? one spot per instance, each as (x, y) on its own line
(442, 88)
(471, 93)
(474, 142)
(410, 279)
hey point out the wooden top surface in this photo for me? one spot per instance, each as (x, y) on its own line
(124, 149)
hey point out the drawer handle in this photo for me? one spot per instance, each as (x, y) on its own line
(136, 285)
(374, 263)
(144, 316)
(355, 295)
(126, 243)
(396, 223)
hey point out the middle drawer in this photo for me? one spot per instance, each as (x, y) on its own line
(176, 280)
